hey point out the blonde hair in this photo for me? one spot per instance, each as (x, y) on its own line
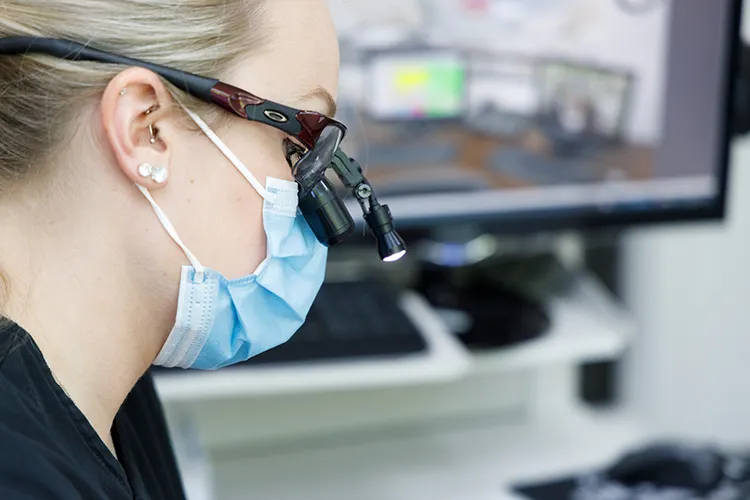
(40, 96)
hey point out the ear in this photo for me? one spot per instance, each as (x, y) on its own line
(136, 111)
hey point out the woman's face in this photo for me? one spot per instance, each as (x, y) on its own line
(215, 210)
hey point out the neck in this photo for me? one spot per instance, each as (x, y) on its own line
(79, 298)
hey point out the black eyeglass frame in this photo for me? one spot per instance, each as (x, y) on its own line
(305, 126)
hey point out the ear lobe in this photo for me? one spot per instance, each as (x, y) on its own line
(135, 109)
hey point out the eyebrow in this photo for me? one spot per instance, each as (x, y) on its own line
(329, 103)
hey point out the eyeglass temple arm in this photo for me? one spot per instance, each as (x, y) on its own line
(198, 86)
(206, 89)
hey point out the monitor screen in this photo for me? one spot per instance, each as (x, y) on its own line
(427, 85)
(564, 114)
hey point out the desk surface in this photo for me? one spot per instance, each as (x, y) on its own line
(478, 462)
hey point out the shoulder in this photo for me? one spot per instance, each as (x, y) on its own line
(30, 470)
(41, 454)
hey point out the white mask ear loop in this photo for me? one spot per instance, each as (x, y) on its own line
(199, 269)
(228, 153)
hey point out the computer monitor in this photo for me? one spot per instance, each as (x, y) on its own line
(427, 84)
(588, 114)
(607, 90)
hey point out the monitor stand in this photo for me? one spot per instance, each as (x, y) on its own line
(499, 301)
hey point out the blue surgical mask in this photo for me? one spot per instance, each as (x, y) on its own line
(220, 321)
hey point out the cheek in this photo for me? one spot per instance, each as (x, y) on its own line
(243, 245)
(218, 215)
(233, 238)
(262, 150)
(275, 166)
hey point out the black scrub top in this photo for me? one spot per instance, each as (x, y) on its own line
(48, 450)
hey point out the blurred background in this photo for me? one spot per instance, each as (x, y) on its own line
(573, 318)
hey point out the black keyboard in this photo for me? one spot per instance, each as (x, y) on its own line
(352, 320)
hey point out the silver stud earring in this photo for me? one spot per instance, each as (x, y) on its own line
(123, 92)
(157, 174)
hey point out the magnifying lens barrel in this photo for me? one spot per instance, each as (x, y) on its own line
(326, 214)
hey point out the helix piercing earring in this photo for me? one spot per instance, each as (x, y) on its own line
(123, 92)
(157, 174)
(151, 129)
